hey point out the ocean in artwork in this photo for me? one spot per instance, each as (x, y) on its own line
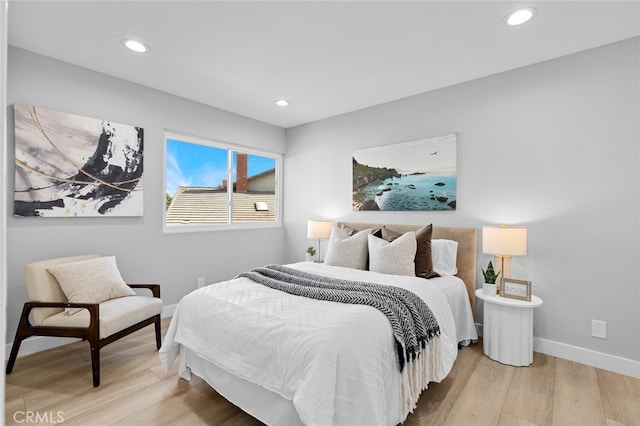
(407, 176)
(413, 192)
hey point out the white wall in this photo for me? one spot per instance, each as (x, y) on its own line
(553, 146)
(4, 5)
(143, 252)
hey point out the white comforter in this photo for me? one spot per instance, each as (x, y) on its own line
(335, 362)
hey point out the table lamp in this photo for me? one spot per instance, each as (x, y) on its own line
(503, 242)
(319, 230)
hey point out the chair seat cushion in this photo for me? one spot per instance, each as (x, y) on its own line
(115, 314)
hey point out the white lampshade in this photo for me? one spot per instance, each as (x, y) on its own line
(504, 240)
(318, 229)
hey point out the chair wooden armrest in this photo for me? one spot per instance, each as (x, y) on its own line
(93, 308)
(155, 288)
(27, 329)
(88, 306)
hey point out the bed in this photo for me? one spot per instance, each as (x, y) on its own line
(289, 360)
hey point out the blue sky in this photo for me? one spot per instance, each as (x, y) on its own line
(191, 164)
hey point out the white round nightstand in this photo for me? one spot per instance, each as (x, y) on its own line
(508, 328)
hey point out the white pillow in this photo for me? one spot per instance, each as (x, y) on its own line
(90, 281)
(396, 257)
(347, 251)
(444, 254)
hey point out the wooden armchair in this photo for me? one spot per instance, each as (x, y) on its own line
(98, 323)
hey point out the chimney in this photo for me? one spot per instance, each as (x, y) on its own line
(242, 185)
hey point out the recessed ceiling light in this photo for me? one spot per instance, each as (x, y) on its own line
(282, 102)
(135, 45)
(520, 16)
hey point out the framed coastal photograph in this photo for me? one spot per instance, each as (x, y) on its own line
(67, 165)
(515, 289)
(406, 176)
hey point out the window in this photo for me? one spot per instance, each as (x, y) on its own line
(212, 185)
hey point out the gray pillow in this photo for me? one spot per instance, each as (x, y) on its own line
(395, 257)
(347, 251)
(423, 260)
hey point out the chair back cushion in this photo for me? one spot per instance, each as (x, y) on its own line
(43, 287)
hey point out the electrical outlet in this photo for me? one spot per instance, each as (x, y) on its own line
(599, 329)
(201, 282)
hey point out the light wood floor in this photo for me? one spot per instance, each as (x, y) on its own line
(56, 385)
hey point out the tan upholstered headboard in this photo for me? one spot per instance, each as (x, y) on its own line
(467, 239)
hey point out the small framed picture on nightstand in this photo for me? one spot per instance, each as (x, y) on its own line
(515, 289)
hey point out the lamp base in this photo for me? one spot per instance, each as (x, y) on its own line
(504, 263)
(319, 259)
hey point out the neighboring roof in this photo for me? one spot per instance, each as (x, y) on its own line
(208, 205)
(261, 174)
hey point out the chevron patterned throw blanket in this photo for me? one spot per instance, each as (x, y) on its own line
(413, 323)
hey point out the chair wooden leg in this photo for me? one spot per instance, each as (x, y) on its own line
(95, 364)
(93, 336)
(14, 353)
(158, 332)
(21, 333)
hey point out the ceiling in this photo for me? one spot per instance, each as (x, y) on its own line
(327, 57)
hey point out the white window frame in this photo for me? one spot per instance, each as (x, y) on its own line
(196, 227)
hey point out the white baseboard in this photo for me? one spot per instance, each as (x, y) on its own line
(40, 343)
(613, 363)
(168, 311)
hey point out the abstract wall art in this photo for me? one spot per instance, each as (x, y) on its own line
(68, 165)
(414, 175)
